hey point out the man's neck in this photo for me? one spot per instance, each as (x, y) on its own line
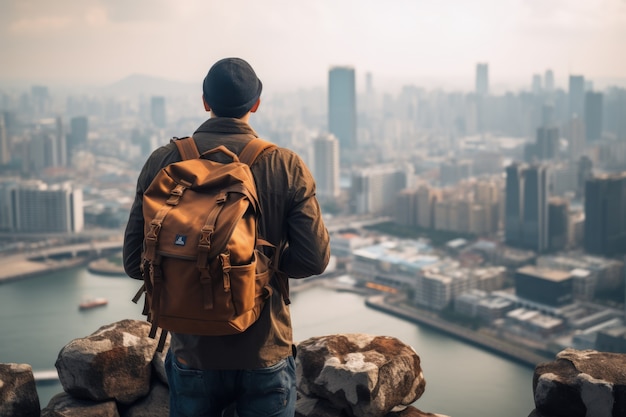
(245, 118)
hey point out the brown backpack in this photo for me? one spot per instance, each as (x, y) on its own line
(203, 270)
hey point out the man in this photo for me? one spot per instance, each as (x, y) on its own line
(255, 369)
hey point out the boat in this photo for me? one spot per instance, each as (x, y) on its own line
(92, 303)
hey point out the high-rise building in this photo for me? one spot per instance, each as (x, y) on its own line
(452, 171)
(405, 208)
(7, 185)
(558, 214)
(547, 143)
(79, 130)
(5, 157)
(593, 116)
(576, 95)
(535, 208)
(374, 189)
(548, 81)
(157, 111)
(425, 203)
(369, 85)
(40, 104)
(42, 208)
(514, 198)
(584, 172)
(61, 143)
(482, 79)
(605, 221)
(342, 107)
(46, 146)
(326, 167)
(614, 104)
(526, 209)
(575, 137)
(536, 84)
(547, 115)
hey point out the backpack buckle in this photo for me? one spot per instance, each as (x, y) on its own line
(225, 261)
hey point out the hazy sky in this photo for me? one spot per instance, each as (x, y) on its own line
(292, 42)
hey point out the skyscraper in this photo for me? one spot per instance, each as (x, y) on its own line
(5, 158)
(513, 205)
(61, 142)
(593, 116)
(547, 115)
(79, 130)
(342, 106)
(575, 137)
(374, 188)
(43, 208)
(548, 81)
(40, 101)
(576, 95)
(482, 79)
(605, 222)
(526, 209)
(536, 84)
(547, 143)
(535, 208)
(558, 214)
(157, 111)
(326, 167)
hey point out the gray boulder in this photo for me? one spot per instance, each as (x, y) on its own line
(357, 374)
(64, 405)
(112, 363)
(581, 384)
(155, 404)
(18, 392)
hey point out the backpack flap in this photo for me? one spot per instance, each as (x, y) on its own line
(202, 270)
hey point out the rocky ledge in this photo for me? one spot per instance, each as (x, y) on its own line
(117, 372)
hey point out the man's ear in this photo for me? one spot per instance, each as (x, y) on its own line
(206, 106)
(256, 105)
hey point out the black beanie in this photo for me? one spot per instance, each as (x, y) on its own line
(231, 87)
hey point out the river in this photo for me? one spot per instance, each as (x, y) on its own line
(40, 315)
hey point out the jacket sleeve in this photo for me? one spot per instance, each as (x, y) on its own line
(133, 235)
(307, 249)
(133, 240)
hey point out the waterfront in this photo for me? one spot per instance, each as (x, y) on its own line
(41, 315)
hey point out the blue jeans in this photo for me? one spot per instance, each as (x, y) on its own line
(266, 392)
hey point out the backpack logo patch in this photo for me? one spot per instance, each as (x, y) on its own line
(181, 240)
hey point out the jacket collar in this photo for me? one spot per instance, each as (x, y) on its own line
(226, 125)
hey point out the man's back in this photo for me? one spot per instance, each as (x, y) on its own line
(256, 368)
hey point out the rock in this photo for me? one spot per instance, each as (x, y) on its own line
(316, 407)
(64, 405)
(18, 392)
(112, 363)
(581, 383)
(155, 404)
(358, 374)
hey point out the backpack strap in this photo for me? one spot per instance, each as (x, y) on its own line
(248, 155)
(253, 149)
(186, 147)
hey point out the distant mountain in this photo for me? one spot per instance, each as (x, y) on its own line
(139, 84)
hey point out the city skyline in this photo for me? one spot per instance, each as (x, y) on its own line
(292, 45)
